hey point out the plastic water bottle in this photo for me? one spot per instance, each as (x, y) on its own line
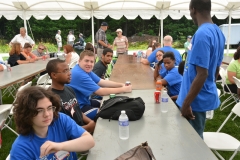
(123, 126)
(164, 102)
(139, 55)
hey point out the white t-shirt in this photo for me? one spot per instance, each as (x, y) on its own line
(75, 57)
(70, 38)
(58, 38)
(20, 39)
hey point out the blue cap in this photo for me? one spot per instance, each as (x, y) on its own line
(104, 24)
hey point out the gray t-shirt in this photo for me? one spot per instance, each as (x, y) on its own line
(70, 104)
(38, 54)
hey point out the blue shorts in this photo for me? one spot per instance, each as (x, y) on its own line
(91, 110)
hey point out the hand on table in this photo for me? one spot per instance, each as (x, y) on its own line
(127, 88)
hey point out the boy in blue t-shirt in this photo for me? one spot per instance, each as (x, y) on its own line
(198, 92)
(85, 83)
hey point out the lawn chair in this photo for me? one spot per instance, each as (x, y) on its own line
(232, 96)
(44, 81)
(222, 141)
(73, 64)
(7, 125)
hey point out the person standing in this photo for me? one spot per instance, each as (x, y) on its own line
(22, 38)
(187, 44)
(198, 92)
(70, 38)
(101, 39)
(59, 40)
(121, 42)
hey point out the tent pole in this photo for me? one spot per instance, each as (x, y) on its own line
(229, 30)
(92, 27)
(161, 29)
(24, 21)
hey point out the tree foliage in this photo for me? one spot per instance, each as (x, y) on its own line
(45, 30)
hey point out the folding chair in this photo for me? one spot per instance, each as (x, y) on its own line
(11, 108)
(73, 64)
(232, 96)
(44, 81)
(221, 141)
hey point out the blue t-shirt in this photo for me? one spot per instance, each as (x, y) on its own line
(84, 85)
(62, 129)
(152, 57)
(207, 52)
(174, 80)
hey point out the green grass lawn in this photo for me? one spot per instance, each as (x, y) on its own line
(211, 125)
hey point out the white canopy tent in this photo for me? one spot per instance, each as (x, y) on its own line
(100, 9)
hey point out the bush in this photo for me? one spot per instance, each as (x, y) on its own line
(178, 44)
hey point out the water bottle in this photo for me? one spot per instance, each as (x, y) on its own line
(123, 126)
(139, 54)
(164, 102)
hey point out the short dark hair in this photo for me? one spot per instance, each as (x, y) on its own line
(201, 5)
(86, 53)
(89, 46)
(236, 55)
(25, 107)
(27, 45)
(52, 66)
(107, 50)
(169, 55)
(181, 67)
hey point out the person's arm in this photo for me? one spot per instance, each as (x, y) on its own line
(126, 42)
(174, 97)
(144, 61)
(86, 141)
(68, 58)
(1, 67)
(107, 91)
(202, 74)
(33, 56)
(110, 84)
(90, 124)
(156, 72)
(26, 61)
(230, 76)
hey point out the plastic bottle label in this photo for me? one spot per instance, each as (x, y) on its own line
(164, 99)
(123, 123)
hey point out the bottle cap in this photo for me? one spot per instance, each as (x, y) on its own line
(123, 112)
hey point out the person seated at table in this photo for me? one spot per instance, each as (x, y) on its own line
(27, 52)
(2, 64)
(150, 47)
(233, 70)
(44, 133)
(85, 83)
(158, 67)
(16, 57)
(101, 66)
(39, 52)
(172, 79)
(71, 56)
(167, 42)
(60, 74)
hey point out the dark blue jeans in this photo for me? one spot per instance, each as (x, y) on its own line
(199, 122)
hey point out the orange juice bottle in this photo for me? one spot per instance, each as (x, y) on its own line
(158, 85)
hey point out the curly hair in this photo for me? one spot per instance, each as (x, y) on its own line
(68, 48)
(25, 107)
(16, 49)
(236, 55)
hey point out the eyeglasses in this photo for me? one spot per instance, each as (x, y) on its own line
(49, 109)
(41, 48)
(65, 71)
(158, 55)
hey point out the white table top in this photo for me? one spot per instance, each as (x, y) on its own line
(21, 72)
(168, 134)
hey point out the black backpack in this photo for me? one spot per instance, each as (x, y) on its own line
(111, 108)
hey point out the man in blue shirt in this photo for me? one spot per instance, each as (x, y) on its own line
(85, 83)
(167, 42)
(198, 92)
